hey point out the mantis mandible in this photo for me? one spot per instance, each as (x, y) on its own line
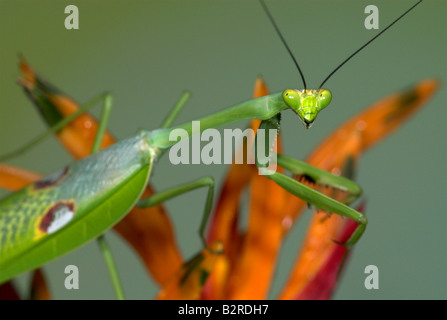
(58, 213)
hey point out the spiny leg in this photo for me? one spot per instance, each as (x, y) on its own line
(308, 194)
(323, 202)
(165, 195)
(321, 177)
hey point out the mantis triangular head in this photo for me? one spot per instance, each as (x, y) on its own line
(307, 103)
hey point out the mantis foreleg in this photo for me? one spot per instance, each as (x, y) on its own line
(310, 195)
(321, 177)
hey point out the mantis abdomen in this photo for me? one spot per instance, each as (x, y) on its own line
(95, 188)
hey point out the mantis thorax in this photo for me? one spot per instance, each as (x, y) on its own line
(307, 103)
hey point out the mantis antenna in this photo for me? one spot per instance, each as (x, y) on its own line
(366, 44)
(283, 40)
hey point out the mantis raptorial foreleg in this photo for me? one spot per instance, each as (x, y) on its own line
(323, 202)
(321, 177)
(313, 196)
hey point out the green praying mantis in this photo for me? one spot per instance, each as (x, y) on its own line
(58, 213)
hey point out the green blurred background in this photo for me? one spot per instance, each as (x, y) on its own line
(147, 52)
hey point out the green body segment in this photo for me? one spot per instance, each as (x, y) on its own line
(262, 108)
(90, 196)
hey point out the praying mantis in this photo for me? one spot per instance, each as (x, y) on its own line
(320, 116)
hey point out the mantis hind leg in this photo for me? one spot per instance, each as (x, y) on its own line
(165, 195)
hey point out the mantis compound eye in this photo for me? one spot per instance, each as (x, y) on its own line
(324, 98)
(292, 99)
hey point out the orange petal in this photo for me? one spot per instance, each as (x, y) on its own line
(314, 273)
(39, 287)
(79, 134)
(13, 178)
(322, 283)
(251, 275)
(224, 221)
(150, 233)
(260, 89)
(148, 230)
(223, 227)
(188, 282)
